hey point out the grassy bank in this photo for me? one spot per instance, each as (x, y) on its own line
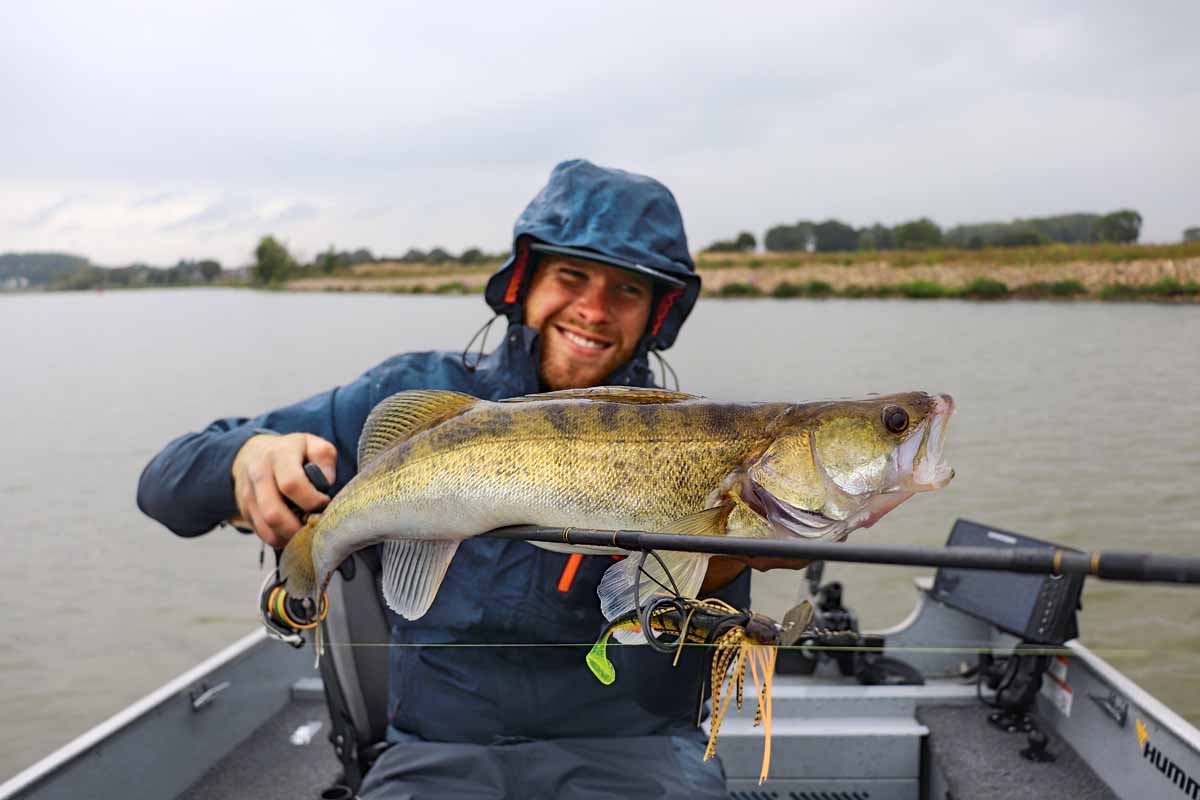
(1054, 272)
(978, 289)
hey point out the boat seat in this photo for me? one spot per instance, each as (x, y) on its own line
(356, 676)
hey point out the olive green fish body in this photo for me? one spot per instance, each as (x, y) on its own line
(605, 458)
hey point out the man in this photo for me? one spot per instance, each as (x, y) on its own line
(599, 276)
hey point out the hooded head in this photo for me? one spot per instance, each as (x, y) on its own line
(612, 217)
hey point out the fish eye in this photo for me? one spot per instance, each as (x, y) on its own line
(895, 419)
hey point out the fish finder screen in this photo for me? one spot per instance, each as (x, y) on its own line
(1026, 605)
(1005, 599)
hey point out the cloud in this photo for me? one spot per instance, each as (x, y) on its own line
(155, 199)
(296, 212)
(49, 213)
(228, 213)
(321, 123)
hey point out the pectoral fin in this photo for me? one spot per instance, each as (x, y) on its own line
(617, 586)
(687, 570)
(412, 573)
(709, 522)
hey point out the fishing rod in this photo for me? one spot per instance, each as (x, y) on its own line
(1109, 565)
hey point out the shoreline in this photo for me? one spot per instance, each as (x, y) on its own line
(856, 275)
(1093, 272)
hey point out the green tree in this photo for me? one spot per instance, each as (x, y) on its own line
(209, 269)
(272, 262)
(833, 236)
(876, 237)
(1020, 235)
(1192, 234)
(744, 243)
(328, 261)
(918, 234)
(1067, 228)
(1121, 227)
(790, 238)
(472, 255)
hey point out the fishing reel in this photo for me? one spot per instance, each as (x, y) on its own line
(282, 615)
(822, 628)
(285, 616)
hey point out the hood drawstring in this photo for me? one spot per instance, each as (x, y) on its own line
(665, 366)
(485, 329)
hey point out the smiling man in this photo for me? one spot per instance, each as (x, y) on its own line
(590, 316)
(599, 276)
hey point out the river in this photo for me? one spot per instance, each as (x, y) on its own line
(1077, 422)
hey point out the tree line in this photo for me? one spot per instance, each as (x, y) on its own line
(184, 273)
(40, 269)
(274, 263)
(66, 271)
(831, 236)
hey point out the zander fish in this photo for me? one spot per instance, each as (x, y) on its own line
(437, 467)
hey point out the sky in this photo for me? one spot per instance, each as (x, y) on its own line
(154, 132)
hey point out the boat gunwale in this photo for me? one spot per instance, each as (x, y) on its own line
(100, 733)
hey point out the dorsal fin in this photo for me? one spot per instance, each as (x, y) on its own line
(632, 395)
(407, 413)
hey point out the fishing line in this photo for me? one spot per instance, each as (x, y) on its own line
(664, 366)
(1048, 651)
(646, 613)
(484, 329)
(642, 569)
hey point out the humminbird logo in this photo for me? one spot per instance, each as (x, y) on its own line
(1172, 771)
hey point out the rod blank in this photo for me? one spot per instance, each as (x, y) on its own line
(1136, 567)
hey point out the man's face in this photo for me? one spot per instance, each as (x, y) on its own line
(590, 316)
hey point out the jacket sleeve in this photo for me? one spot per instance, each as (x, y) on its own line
(189, 485)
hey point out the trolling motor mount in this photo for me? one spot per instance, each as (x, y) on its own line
(829, 631)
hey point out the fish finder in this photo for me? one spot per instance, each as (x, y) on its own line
(1037, 608)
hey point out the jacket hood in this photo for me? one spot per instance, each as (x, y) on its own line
(612, 217)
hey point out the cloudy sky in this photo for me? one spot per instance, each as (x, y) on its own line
(159, 131)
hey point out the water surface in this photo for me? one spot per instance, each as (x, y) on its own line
(1077, 423)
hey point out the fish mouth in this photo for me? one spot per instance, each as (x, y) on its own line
(920, 458)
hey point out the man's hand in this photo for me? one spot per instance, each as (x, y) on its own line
(723, 569)
(269, 470)
(764, 563)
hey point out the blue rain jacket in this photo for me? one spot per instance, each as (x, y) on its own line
(495, 591)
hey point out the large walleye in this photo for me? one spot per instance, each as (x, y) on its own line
(437, 467)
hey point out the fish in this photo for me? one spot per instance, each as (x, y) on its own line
(438, 467)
